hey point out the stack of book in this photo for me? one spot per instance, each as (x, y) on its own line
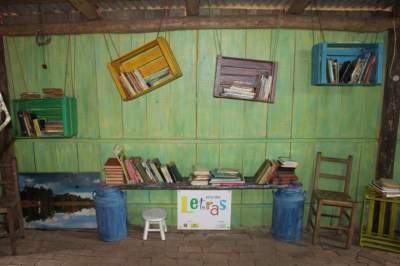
(385, 187)
(30, 95)
(141, 171)
(200, 177)
(358, 70)
(239, 89)
(54, 128)
(114, 172)
(285, 174)
(52, 92)
(226, 177)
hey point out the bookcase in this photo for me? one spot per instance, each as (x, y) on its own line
(344, 64)
(245, 79)
(44, 118)
(144, 69)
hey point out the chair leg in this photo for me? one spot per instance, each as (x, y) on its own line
(309, 218)
(350, 232)
(21, 229)
(316, 224)
(164, 225)
(162, 233)
(146, 230)
(11, 231)
(341, 214)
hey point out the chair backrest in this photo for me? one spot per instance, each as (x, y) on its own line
(346, 178)
(9, 179)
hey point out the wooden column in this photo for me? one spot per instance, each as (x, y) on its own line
(5, 134)
(390, 110)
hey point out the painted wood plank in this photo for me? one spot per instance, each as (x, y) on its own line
(183, 90)
(86, 87)
(135, 119)
(258, 46)
(279, 113)
(208, 107)
(109, 100)
(253, 157)
(367, 168)
(207, 155)
(305, 98)
(231, 156)
(232, 111)
(25, 155)
(8, 62)
(59, 72)
(159, 105)
(55, 156)
(88, 157)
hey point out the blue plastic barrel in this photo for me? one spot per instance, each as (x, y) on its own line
(111, 214)
(287, 214)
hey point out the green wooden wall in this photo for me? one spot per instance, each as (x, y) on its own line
(183, 122)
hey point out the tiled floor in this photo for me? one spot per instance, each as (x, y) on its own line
(248, 248)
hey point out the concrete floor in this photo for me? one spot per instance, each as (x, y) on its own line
(197, 248)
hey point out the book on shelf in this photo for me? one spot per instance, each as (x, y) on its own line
(53, 92)
(26, 95)
(175, 174)
(239, 89)
(356, 71)
(158, 77)
(264, 86)
(386, 188)
(266, 172)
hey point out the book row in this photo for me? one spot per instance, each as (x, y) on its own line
(136, 170)
(358, 70)
(276, 172)
(134, 83)
(32, 126)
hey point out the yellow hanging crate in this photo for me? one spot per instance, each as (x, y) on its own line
(144, 69)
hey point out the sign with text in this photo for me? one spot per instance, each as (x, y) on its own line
(204, 209)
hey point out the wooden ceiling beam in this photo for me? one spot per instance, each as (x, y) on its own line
(298, 6)
(192, 7)
(185, 23)
(87, 8)
(30, 2)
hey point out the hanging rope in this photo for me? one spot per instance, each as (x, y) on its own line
(320, 24)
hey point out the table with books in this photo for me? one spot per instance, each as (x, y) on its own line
(152, 174)
(380, 226)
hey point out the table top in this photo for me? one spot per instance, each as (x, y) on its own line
(185, 185)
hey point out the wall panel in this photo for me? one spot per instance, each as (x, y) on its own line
(183, 122)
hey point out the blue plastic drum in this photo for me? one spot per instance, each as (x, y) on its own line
(111, 214)
(287, 214)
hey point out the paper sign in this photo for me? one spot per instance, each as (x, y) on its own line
(204, 209)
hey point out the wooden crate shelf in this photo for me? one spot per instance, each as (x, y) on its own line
(231, 71)
(152, 59)
(331, 60)
(56, 117)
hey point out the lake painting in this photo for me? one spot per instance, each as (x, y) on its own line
(58, 200)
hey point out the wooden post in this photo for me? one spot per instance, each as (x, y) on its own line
(5, 135)
(390, 109)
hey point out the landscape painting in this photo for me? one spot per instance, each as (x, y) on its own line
(58, 200)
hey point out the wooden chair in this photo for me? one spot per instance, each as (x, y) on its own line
(342, 200)
(10, 202)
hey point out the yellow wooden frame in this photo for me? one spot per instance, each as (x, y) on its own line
(148, 59)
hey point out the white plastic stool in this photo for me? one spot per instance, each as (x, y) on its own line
(157, 217)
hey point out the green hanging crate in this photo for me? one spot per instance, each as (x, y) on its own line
(44, 118)
(380, 222)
